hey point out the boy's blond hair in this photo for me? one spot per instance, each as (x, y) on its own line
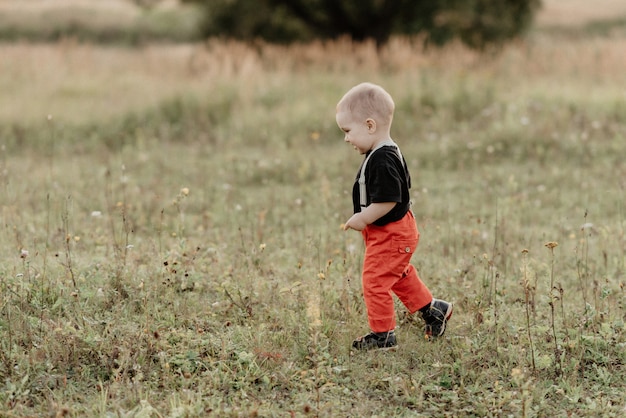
(368, 100)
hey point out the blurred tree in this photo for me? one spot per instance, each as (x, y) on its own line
(146, 3)
(478, 23)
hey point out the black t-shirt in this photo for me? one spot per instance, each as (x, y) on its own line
(387, 179)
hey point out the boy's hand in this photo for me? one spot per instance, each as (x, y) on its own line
(360, 220)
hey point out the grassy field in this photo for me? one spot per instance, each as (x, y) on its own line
(171, 242)
(111, 21)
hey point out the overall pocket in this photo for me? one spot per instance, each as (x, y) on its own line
(400, 254)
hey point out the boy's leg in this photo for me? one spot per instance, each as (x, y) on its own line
(411, 291)
(377, 295)
(377, 285)
(416, 297)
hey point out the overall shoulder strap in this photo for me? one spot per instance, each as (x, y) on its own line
(362, 186)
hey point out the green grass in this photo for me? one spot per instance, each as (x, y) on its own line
(123, 23)
(186, 259)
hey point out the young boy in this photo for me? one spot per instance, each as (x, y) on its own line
(382, 212)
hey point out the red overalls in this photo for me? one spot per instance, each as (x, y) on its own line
(387, 269)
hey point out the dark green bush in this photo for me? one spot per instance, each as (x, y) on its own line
(477, 23)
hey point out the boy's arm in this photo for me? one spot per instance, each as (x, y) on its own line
(370, 214)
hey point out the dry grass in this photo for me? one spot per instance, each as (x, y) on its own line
(578, 12)
(96, 14)
(76, 82)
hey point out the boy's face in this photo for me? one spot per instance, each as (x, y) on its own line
(358, 133)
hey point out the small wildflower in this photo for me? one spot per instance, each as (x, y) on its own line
(96, 214)
(23, 253)
(184, 191)
(262, 247)
(321, 276)
(552, 244)
(525, 251)
(76, 238)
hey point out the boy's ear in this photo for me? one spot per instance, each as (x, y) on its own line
(371, 125)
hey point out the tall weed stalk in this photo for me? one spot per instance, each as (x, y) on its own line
(553, 297)
(528, 289)
(582, 263)
(67, 242)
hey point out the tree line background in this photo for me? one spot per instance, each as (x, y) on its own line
(477, 23)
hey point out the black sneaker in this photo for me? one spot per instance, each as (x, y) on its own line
(436, 318)
(384, 340)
